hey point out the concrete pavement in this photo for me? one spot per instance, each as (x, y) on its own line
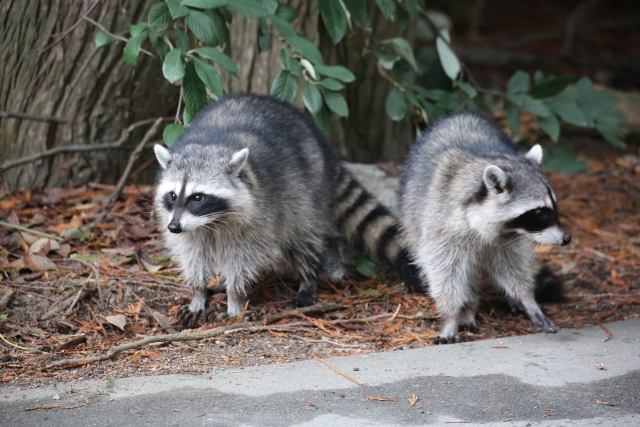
(545, 380)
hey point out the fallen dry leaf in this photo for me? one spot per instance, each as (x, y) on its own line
(381, 399)
(147, 262)
(602, 402)
(43, 245)
(413, 400)
(144, 353)
(36, 262)
(73, 343)
(600, 366)
(117, 320)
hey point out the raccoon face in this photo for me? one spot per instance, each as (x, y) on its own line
(193, 193)
(526, 200)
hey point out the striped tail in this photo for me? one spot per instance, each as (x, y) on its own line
(370, 225)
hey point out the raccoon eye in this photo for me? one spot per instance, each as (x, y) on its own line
(198, 197)
(173, 196)
(538, 212)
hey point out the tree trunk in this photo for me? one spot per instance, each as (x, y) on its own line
(368, 134)
(97, 93)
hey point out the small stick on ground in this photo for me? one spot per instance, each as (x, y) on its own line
(316, 308)
(336, 371)
(609, 334)
(75, 300)
(64, 304)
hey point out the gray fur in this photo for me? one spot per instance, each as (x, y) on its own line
(463, 190)
(283, 188)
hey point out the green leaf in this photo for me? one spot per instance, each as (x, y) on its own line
(270, 6)
(104, 39)
(285, 87)
(286, 12)
(611, 133)
(132, 48)
(283, 26)
(358, 11)
(209, 75)
(403, 48)
(445, 100)
(220, 58)
(584, 88)
(368, 269)
(264, 42)
(536, 107)
(160, 16)
(331, 84)
(172, 67)
(387, 7)
(176, 10)
(305, 48)
(550, 87)
(336, 71)
(512, 114)
(448, 59)
(171, 133)
(162, 49)
(563, 160)
(137, 29)
(335, 20)
(193, 88)
(468, 89)
(202, 26)
(220, 28)
(312, 98)
(386, 61)
(323, 119)
(294, 66)
(3, 318)
(412, 7)
(396, 105)
(204, 4)
(567, 111)
(187, 115)
(550, 126)
(518, 82)
(538, 77)
(182, 40)
(336, 102)
(248, 8)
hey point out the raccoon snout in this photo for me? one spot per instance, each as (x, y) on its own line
(566, 239)
(174, 227)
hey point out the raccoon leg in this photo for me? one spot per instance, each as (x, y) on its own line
(304, 262)
(189, 314)
(512, 272)
(307, 294)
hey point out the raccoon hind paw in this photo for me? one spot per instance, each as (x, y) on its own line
(471, 327)
(546, 324)
(444, 340)
(305, 298)
(187, 318)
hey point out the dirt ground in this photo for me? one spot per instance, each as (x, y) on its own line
(110, 268)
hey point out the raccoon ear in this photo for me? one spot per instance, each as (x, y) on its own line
(238, 160)
(535, 154)
(163, 155)
(495, 178)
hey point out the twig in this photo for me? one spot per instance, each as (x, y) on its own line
(34, 117)
(598, 253)
(64, 304)
(336, 371)
(316, 308)
(28, 230)
(395, 313)
(75, 300)
(97, 273)
(575, 15)
(325, 341)
(609, 334)
(80, 148)
(134, 156)
(16, 345)
(65, 33)
(124, 39)
(74, 362)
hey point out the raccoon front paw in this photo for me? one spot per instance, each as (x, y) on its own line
(187, 318)
(471, 327)
(305, 298)
(444, 340)
(546, 324)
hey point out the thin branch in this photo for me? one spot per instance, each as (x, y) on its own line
(28, 230)
(119, 37)
(34, 117)
(575, 15)
(335, 370)
(65, 33)
(134, 156)
(80, 148)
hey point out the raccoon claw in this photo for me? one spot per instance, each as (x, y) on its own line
(305, 298)
(471, 327)
(442, 340)
(546, 324)
(187, 318)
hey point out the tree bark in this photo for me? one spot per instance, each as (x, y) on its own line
(95, 91)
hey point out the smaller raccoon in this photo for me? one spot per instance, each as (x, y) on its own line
(471, 202)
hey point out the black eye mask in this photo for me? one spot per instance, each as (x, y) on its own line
(534, 220)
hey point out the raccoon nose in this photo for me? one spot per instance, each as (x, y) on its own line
(566, 239)
(174, 227)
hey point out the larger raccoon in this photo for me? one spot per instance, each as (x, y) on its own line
(471, 202)
(252, 184)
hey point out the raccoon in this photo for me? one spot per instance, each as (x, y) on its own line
(470, 202)
(252, 185)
